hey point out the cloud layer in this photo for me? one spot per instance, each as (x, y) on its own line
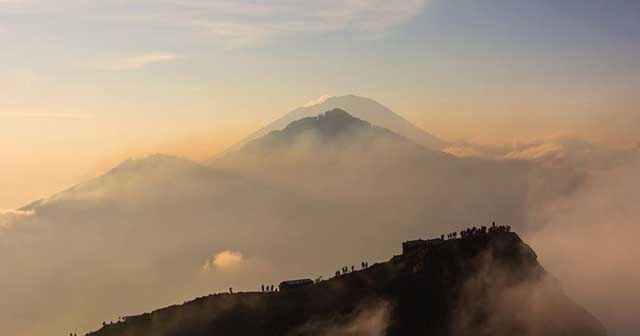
(589, 241)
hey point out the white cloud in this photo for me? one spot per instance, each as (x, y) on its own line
(225, 260)
(133, 62)
(243, 23)
(547, 149)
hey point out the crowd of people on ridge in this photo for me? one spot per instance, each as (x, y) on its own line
(474, 231)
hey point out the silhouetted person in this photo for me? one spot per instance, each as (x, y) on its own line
(263, 288)
(337, 274)
(272, 288)
(230, 290)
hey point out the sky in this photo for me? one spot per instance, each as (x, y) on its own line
(85, 84)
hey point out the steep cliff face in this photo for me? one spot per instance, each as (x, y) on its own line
(487, 284)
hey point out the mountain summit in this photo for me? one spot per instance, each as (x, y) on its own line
(359, 107)
(335, 126)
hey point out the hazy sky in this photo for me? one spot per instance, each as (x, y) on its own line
(85, 83)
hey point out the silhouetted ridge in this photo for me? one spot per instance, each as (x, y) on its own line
(487, 283)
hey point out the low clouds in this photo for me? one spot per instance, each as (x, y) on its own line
(497, 301)
(589, 241)
(235, 231)
(372, 319)
(548, 149)
(224, 261)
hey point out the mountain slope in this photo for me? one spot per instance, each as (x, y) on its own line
(335, 156)
(139, 237)
(324, 154)
(360, 107)
(487, 284)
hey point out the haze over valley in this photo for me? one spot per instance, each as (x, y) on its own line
(189, 164)
(159, 229)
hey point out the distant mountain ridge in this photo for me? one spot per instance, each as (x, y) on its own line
(359, 107)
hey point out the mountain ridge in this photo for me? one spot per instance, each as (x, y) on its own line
(421, 292)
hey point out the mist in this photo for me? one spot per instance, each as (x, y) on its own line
(497, 301)
(161, 230)
(589, 241)
(371, 319)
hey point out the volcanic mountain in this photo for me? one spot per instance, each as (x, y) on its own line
(337, 156)
(359, 107)
(141, 233)
(485, 284)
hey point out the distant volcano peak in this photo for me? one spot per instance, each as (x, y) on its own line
(357, 107)
(332, 120)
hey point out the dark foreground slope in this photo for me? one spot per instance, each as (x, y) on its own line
(482, 285)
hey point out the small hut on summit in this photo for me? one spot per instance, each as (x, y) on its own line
(415, 245)
(292, 284)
